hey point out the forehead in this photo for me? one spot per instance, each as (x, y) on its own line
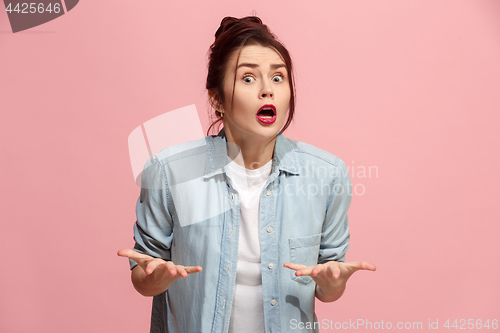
(258, 54)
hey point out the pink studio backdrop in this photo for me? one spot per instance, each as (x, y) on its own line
(408, 88)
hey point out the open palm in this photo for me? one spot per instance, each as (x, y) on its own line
(158, 269)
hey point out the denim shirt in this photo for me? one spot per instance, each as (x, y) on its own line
(188, 212)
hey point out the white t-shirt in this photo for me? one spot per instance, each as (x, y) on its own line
(247, 313)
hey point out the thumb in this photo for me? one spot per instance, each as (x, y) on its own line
(139, 258)
(362, 265)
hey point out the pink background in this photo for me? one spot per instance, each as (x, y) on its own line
(411, 88)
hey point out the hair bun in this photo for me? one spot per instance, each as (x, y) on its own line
(228, 22)
(253, 19)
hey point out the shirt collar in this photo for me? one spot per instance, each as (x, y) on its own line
(285, 155)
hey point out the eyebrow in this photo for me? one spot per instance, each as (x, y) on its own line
(273, 66)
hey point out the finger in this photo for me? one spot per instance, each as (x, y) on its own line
(335, 271)
(294, 266)
(364, 265)
(307, 270)
(134, 255)
(318, 269)
(181, 270)
(161, 270)
(153, 265)
(193, 269)
(171, 268)
(139, 258)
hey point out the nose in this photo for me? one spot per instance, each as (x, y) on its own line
(266, 91)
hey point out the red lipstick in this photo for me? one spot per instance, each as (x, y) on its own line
(266, 114)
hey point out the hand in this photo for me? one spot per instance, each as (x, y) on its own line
(331, 277)
(158, 272)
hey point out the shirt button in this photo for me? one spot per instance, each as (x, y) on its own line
(269, 229)
(273, 302)
(232, 196)
(270, 265)
(268, 192)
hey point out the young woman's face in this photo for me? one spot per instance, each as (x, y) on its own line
(261, 83)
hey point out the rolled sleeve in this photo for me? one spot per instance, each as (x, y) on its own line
(153, 230)
(335, 233)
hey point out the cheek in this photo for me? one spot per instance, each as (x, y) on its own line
(284, 90)
(227, 95)
(285, 96)
(243, 95)
(228, 91)
(240, 105)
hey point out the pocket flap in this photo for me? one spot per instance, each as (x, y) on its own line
(305, 241)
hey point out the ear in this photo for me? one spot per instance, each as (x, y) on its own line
(213, 99)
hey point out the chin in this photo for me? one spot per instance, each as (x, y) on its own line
(268, 131)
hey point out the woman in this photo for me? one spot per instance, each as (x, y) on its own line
(257, 221)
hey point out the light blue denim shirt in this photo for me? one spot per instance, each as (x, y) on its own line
(188, 212)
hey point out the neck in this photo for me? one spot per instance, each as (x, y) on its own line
(251, 153)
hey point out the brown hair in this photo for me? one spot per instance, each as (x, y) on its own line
(231, 36)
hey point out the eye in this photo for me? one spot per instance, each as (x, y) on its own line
(248, 79)
(278, 78)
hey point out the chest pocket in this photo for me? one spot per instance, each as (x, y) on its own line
(304, 251)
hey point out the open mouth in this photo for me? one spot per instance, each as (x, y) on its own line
(266, 114)
(267, 111)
